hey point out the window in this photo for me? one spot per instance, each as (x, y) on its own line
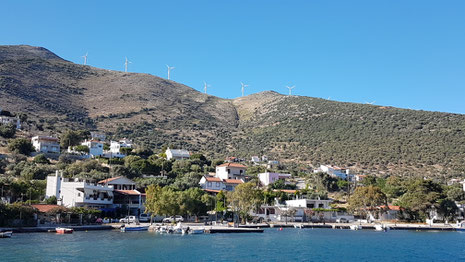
(209, 184)
(79, 194)
(320, 205)
(217, 184)
(310, 205)
(229, 171)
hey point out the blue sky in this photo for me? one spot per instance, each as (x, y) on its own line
(408, 54)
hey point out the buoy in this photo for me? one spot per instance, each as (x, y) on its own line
(280, 229)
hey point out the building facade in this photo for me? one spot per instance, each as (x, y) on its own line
(46, 144)
(231, 171)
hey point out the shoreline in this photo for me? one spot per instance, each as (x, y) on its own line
(248, 228)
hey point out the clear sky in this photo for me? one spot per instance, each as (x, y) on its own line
(408, 54)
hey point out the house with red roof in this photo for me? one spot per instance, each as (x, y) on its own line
(216, 184)
(231, 171)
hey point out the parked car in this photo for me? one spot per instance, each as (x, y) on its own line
(172, 219)
(144, 217)
(342, 220)
(128, 219)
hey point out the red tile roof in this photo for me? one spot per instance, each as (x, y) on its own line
(396, 208)
(128, 192)
(232, 165)
(289, 191)
(211, 190)
(213, 179)
(109, 180)
(47, 208)
(233, 181)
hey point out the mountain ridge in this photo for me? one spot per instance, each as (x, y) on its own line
(58, 94)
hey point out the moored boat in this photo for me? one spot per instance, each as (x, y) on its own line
(136, 228)
(196, 231)
(63, 230)
(379, 227)
(356, 227)
(6, 234)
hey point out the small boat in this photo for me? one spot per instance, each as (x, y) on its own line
(379, 227)
(135, 229)
(63, 230)
(197, 231)
(298, 226)
(6, 234)
(356, 227)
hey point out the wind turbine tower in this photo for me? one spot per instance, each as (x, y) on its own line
(290, 89)
(169, 70)
(126, 64)
(243, 86)
(85, 58)
(205, 86)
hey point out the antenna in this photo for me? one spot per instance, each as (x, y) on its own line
(290, 89)
(85, 58)
(126, 64)
(205, 86)
(242, 87)
(169, 70)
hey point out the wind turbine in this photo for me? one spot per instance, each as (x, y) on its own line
(205, 86)
(290, 89)
(85, 58)
(126, 64)
(169, 70)
(242, 87)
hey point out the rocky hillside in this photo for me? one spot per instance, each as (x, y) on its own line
(58, 94)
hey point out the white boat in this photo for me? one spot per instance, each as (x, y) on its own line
(379, 227)
(63, 230)
(6, 234)
(197, 231)
(298, 226)
(356, 227)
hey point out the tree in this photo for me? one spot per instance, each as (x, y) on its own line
(73, 138)
(8, 130)
(448, 209)
(82, 148)
(244, 198)
(420, 198)
(41, 159)
(152, 202)
(367, 199)
(192, 202)
(20, 146)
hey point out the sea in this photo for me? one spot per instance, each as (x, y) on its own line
(273, 245)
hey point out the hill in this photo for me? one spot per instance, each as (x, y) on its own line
(57, 94)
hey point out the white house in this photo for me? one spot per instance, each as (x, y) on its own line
(255, 159)
(126, 194)
(46, 144)
(5, 120)
(95, 147)
(334, 171)
(230, 184)
(177, 154)
(78, 193)
(216, 184)
(115, 148)
(212, 184)
(108, 194)
(231, 171)
(119, 183)
(269, 178)
(97, 136)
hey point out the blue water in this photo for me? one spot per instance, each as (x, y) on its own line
(272, 245)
